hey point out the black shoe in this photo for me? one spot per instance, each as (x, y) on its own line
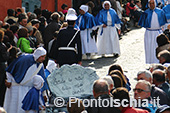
(116, 55)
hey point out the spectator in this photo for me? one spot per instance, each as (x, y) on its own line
(11, 14)
(4, 56)
(22, 21)
(36, 33)
(38, 12)
(143, 91)
(101, 91)
(117, 81)
(23, 42)
(76, 106)
(109, 81)
(164, 58)
(155, 91)
(14, 29)
(121, 94)
(163, 43)
(64, 7)
(159, 81)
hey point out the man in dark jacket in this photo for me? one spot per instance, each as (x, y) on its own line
(49, 32)
(68, 44)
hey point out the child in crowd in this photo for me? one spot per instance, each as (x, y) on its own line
(33, 102)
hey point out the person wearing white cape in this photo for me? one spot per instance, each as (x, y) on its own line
(107, 38)
(19, 74)
(152, 19)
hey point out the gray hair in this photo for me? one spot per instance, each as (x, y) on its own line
(148, 84)
(100, 86)
(108, 79)
(147, 73)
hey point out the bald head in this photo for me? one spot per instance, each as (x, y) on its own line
(100, 87)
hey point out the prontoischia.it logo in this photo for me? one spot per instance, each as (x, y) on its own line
(108, 102)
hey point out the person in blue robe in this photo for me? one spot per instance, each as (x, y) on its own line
(107, 38)
(33, 101)
(166, 9)
(86, 23)
(20, 73)
(152, 19)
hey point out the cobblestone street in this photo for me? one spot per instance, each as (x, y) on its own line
(132, 58)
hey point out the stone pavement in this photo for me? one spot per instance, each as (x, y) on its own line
(132, 58)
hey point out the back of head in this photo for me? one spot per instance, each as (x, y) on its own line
(117, 72)
(32, 16)
(42, 19)
(38, 82)
(76, 106)
(10, 12)
(10, 35)
(100, 87)
(117, 81)
(38, 12)
(55, 16)
(159, 76)
(156, 66)
(164, 54)
(21, 17)
(23, 32)
(121, 94)
(162, 39)
(109, 80)
(115, 67)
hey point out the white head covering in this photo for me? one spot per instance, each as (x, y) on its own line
(149, 4)
(51, 66)
(106, 2)
(84, 8)
(40, 51)
(71, 14)
(37, 81)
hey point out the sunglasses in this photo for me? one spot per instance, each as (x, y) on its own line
(139, 90)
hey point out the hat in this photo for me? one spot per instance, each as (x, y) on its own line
(35, 21)
(162, 108)
(71, 11)
(71, 17)
(40, 51)
(38, 81)
(84, 8)
(71, 14)
(106, 2)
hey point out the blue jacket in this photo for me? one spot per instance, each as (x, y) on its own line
(146, 17)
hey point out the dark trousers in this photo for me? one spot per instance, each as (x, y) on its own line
(2, 83)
